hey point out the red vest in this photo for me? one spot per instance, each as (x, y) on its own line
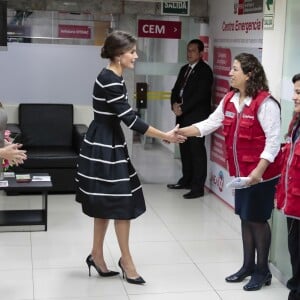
(245, 138)
(288, 188)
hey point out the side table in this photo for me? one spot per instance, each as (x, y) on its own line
(28, 216)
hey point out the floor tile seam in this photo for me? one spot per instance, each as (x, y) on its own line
(166, 264)
(5, 245)
(217, 261)
(181, 240)
(167, 292)
(215, 291)
(184, 293)
(238, 288)
(211, 239)
(61, 267)
(75, 297)
(16, 269)
(200, 223)
(66, 242)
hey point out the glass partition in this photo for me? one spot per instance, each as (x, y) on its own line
(158, 65)
(279, 251)
(54, 27)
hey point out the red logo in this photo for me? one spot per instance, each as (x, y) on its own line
(218, 180)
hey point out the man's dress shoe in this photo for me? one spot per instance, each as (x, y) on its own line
(192, 195)
(176, 186)
(292, 283)
(294, 295)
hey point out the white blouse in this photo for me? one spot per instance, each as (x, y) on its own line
(268, 116)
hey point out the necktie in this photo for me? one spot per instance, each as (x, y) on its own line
(184, 81)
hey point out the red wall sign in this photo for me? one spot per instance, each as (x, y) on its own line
(159, 29)
(222, 87)
(74, 31)
(222, 61)
(205, 40)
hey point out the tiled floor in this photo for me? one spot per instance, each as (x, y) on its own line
(183, 248)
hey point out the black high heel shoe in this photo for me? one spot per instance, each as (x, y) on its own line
(90, 262)
(239, 275)
(138, 280)
(257, 281)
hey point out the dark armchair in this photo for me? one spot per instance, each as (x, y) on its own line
(52, 142)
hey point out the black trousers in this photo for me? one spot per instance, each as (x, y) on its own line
(194, 163)
(293, 226)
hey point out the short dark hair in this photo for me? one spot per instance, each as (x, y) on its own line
(296, 77)
(117, 43)
(254, 69)
(199, 44)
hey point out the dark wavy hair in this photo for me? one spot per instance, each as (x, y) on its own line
(117, 43)
(257, 78)
(296, 116)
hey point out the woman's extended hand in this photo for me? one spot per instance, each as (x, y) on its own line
(13, 154)
(174, 137)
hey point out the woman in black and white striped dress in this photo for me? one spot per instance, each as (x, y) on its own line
(108, 186)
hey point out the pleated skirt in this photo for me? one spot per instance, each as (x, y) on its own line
(108, 186)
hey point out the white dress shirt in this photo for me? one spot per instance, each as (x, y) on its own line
(269, 118)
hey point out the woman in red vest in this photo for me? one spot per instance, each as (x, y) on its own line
(288, 192)
(250, 117)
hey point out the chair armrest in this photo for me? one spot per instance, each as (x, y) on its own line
(15, 130)
(79, 131)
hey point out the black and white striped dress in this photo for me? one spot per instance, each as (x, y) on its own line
(108, 185)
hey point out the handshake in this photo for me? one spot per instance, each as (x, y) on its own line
(173, 136)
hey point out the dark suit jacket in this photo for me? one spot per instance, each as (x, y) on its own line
(196, 94)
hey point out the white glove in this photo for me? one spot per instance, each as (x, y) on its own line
(238, 183)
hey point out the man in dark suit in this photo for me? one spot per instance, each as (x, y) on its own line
(191, 103)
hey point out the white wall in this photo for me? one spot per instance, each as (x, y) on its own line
(273, 49)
